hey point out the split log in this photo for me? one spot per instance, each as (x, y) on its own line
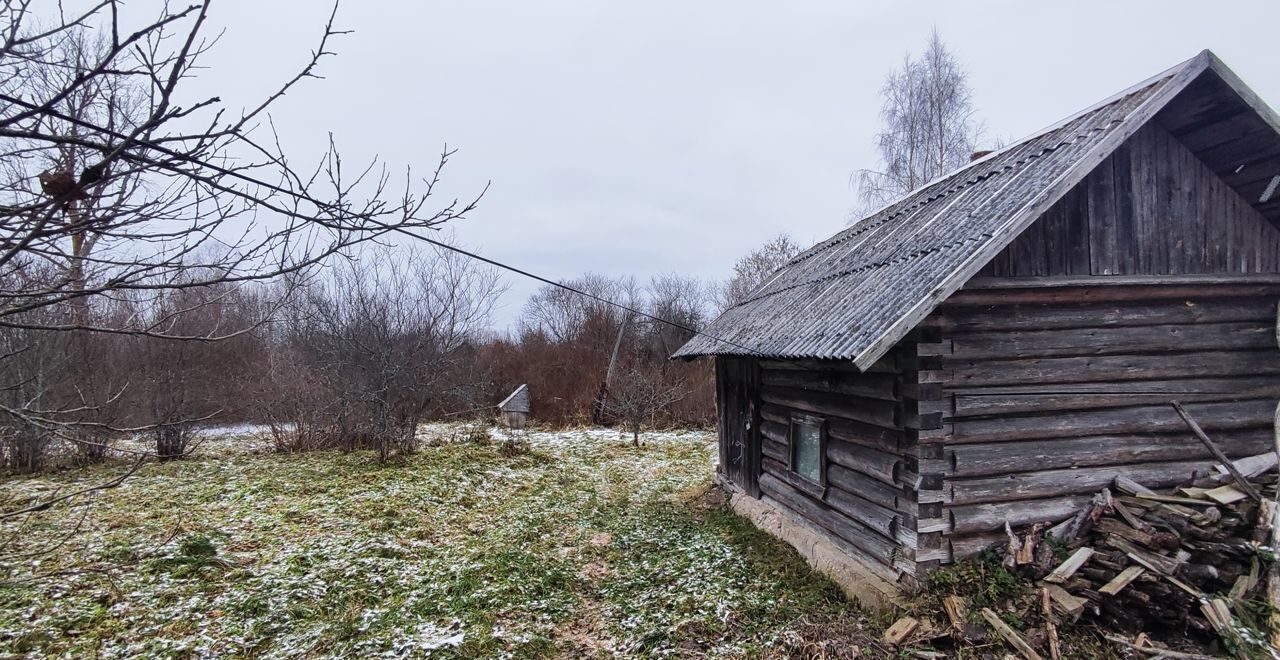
(901, 631)
(1009, 635)
(1051, 630)
(1068, 568)
(1119, 582)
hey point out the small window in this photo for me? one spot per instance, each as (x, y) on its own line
(807, 448)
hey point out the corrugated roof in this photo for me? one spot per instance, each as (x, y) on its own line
(858, 293)
(517, 401)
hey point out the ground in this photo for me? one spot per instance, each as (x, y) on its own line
(582, 546)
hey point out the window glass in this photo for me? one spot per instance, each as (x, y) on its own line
(806, 459)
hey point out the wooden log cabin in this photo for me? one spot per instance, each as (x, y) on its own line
(1002, 343)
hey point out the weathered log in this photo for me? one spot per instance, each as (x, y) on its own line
(982, 459)
(955, 319)
(1249, 335)
(864, 486)
(971, 518)
(860, 409)
(874, 545)
(1061, 483)
(869, 385)
(871, 462)
(1219, 416)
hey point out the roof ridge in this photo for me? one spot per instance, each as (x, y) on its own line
(968, 183)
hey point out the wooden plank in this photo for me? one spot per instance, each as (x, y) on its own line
(1064, 602)
(1046, 610)
(1122, 580)
(1034, 292)
(900, 631)
(1024, 398)
(866, 487)
(1252, 466)
(1066, 569)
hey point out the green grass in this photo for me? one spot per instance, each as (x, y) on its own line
(583, 546)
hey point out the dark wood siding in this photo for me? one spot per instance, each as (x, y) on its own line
(1152, 208)
(738, 410)
(1053, 391)
(872, 467)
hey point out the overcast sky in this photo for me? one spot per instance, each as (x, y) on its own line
(645, 137)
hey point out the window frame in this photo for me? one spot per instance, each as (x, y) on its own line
(821, 423)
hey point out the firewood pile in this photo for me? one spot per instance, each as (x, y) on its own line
(1200, 559)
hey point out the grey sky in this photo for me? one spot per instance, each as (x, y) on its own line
(648, 137)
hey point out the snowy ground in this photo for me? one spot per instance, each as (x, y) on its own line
(582, 546)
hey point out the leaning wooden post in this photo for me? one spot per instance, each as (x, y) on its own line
(1227, 463)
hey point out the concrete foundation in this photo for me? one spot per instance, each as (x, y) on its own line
(864, 584)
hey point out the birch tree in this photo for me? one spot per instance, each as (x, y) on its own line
(929, 126)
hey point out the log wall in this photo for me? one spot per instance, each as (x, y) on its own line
(1051, 391)
(872, 469)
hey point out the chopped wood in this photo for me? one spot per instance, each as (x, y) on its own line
(1113, 527)
(1079, 525)
(1068, 568)
(1193, 492)
(1128, 516)
(1226, 494)
(1250, 466)
(1065, 602)
(1046, 610)
(1009, 635)
(1130, 487)
(1219, 616)
(957, 612)
(1157, 652)
(1119, 582)
(1244, 584)
(1173, 499)
(1159, 563)
(900, 631)
(1014, 547)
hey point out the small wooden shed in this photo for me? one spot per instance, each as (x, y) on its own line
(515, 408)
(1002, 343)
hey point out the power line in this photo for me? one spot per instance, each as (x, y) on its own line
(566, 287)
(306, 196)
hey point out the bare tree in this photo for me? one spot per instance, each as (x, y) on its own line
(640, 393)
(383, 331)
(753, 269)
(116, 185)
(929, 126)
